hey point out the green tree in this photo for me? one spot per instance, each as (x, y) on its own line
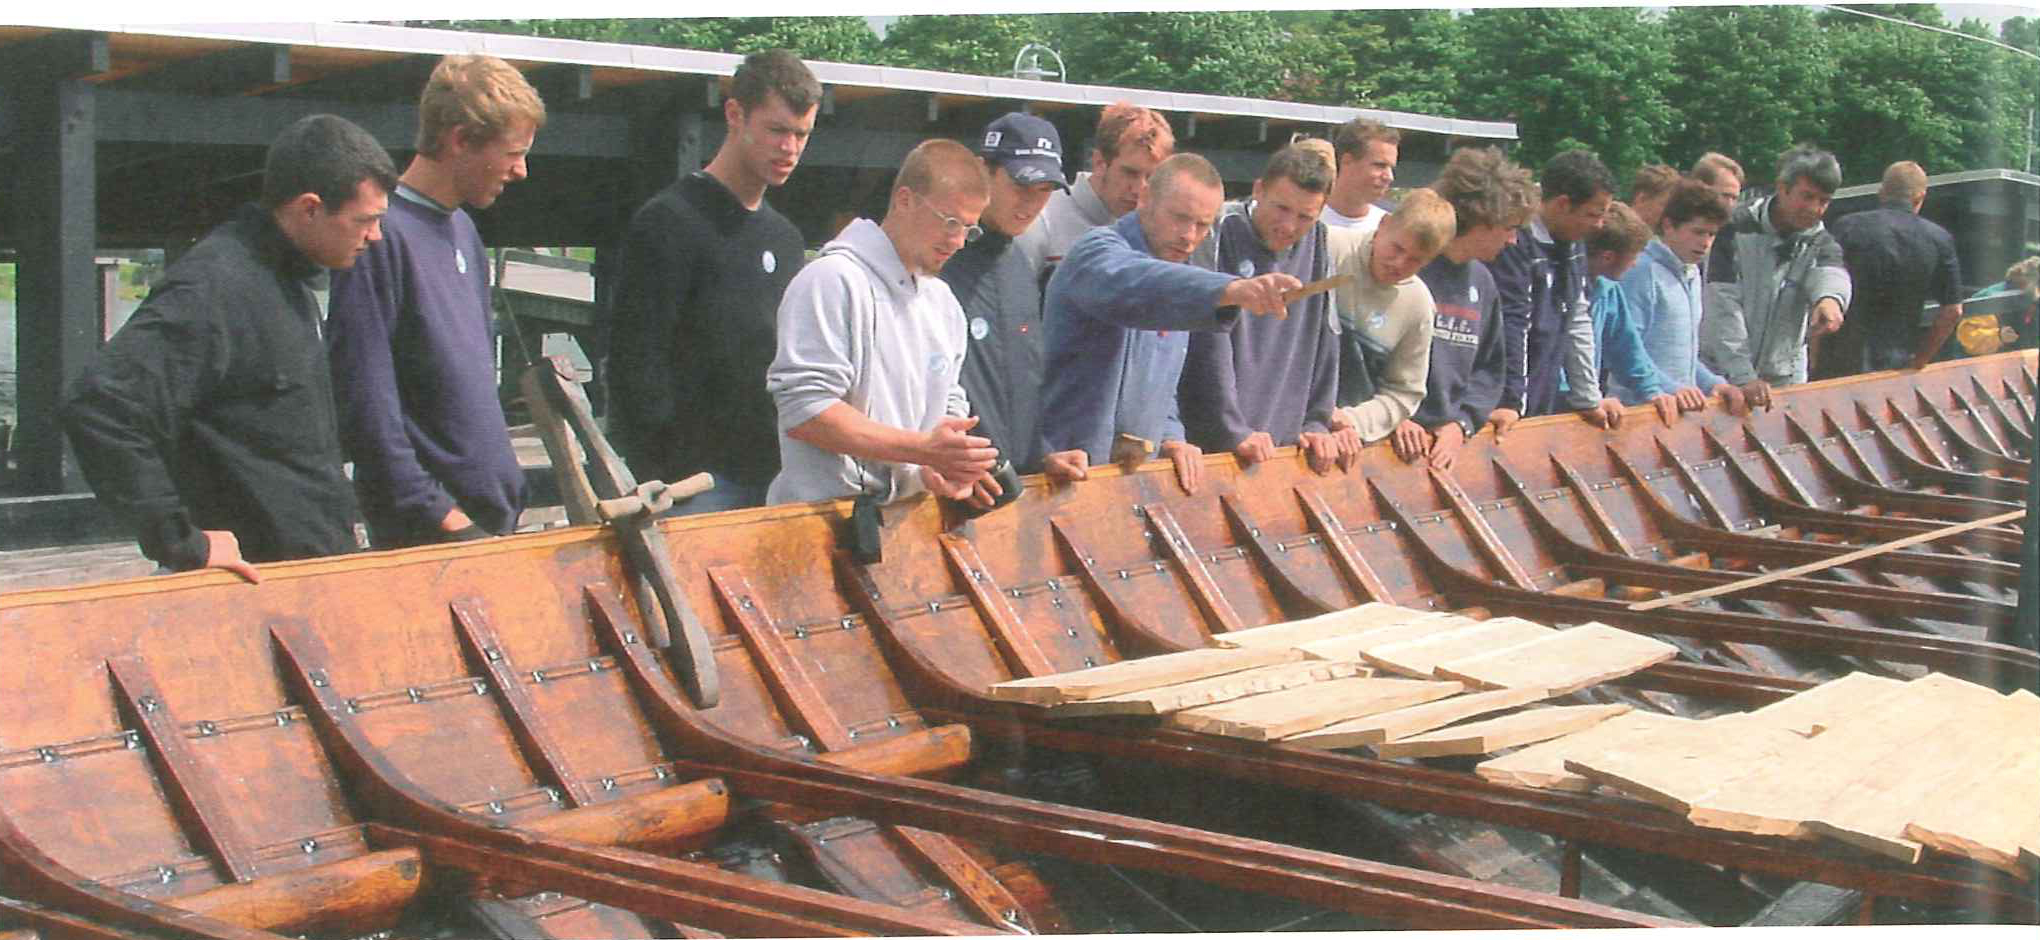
(1400, 60)
(1747, 81)
(1572, 77)
(1880, 109)
(828, 38)
(975, 44)
(1245, 54)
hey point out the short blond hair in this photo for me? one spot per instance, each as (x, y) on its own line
(1904, 182)
(480, 97)
(945, 164)
(1428, 217)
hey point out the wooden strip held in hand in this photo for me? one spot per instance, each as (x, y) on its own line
(1202, 584)
(1826, 563)
(1333, 531)
(1316, 287)
(190, 787)
(790, 683)
(540, 746)
(1023, 656)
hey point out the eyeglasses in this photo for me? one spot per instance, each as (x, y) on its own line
(951, 225)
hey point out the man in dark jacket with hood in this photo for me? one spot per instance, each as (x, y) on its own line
(207, 421)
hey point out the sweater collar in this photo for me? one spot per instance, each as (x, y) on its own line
(1092, 208)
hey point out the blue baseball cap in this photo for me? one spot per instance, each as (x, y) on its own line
(1027, 146)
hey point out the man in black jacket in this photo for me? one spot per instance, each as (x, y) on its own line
(208, 419)
(692, 321)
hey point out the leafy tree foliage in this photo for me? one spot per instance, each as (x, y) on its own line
(1245, 54)
(975, 44)
(1594, 77)
(1747, 81)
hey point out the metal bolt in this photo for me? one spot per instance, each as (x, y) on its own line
(318, 677)
(496, 806)
(354, 706)
(492, 654)
(538, 675)
(1072, 631)
(309, 846)
(414, 695)
(207, 729)
(608, 784)
(132, 739)
(481, 687)
(744, 602)
(148, 703)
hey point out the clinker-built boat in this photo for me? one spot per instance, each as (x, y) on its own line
(734, 724)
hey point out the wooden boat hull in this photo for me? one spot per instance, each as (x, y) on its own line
(427, 718)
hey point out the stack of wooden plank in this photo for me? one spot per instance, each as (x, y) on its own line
(1887, 765)
(1379, 676)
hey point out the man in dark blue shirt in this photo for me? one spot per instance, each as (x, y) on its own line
(1542, 281)
(410, 328)
(1898, 262)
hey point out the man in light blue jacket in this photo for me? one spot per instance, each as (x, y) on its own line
(1664, 294)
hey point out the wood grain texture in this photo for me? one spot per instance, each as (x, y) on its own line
(1542, 765)
(1280, 714)
(1564, 662)
(1487, 737)
(1995, 813)
(1367, 616)
(1173, 698)
(1416, 719)
(1129, 675)
(1420, 657)
(1351, 645)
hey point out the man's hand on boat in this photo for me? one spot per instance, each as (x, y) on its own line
(979, 493)
(1410, 441)
(1667, 406)
(1189, 461)
(1607, 413)
(1732, 398)
(958, 457)
(1502, 419)
(223, 551)
(1260, 295)
(1758, 393)
(1324, 450)
(1067, 466)
(1258, 446)
(1445, 443)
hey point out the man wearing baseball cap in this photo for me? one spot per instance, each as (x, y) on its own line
(996, 285)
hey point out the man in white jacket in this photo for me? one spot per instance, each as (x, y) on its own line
(871, 344)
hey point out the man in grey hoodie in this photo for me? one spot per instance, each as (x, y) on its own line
(871, 347)
(1775, 280)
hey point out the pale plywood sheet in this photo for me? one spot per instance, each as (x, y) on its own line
(1387, 726)
(1818, 708)
(1542, 766)
(1990, 815)
(1419, 657)
(1564, 662)
(1685, 764)
(1367, 616)
(1867, 750)
(1486, 737)
(1280, 714)
(1977, 725)
(1130, 675)
(1172, 698)
(1352, 645)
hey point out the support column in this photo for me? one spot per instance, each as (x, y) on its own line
(55, 216)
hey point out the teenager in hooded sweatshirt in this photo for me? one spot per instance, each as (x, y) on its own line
(1663, 293)
(871, 347)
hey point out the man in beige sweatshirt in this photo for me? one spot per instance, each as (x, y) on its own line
(1391, 309)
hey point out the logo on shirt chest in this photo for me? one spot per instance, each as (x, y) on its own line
(1377, 319)
(979, 328)
(459, 261)
(1246, 267)
(768, 261)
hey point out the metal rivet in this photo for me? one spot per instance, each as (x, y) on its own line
(976, 575)
(318, 678)
(1054, 585)
(282, 719)
(853, 734)
(1056, 602)
(207, 729)
(659, 772)
(481, 687)
(309, 846)
(416, 696)
(166, 874)
(1089, 662)
(132, 739)
(1122, 574)
(745, 602)
(608, 783)
(800, 633)
(1160, 567)
(629, 639)
(1015, 592)
(1254, 531)
(496, 806)
(148, 703)
(594, 665)
(849, 623)
(492, 655)
(1281, 548)
(934, 607)
(1072, 631)
(552, 794)
(354, 706)
(892, 721)
(538, 675)
(804, 743)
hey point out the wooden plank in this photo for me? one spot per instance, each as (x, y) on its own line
(1130, 675)
(1351, 645)
(1819, 708)
(189, 785)
(1280, 714)
(799, 696)
(535, 740)
(1778, 797)
(1203, 586)
(1542, 766)
(1874, 812)
(1683, 765)
(1418, 657)
(1487, 737)
(1826, 563)
(1350, 562)
(1564, 662)
(1367, 616)
(1173, 698)
(1991, 815)
(1370, 730)
(1023, 655)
